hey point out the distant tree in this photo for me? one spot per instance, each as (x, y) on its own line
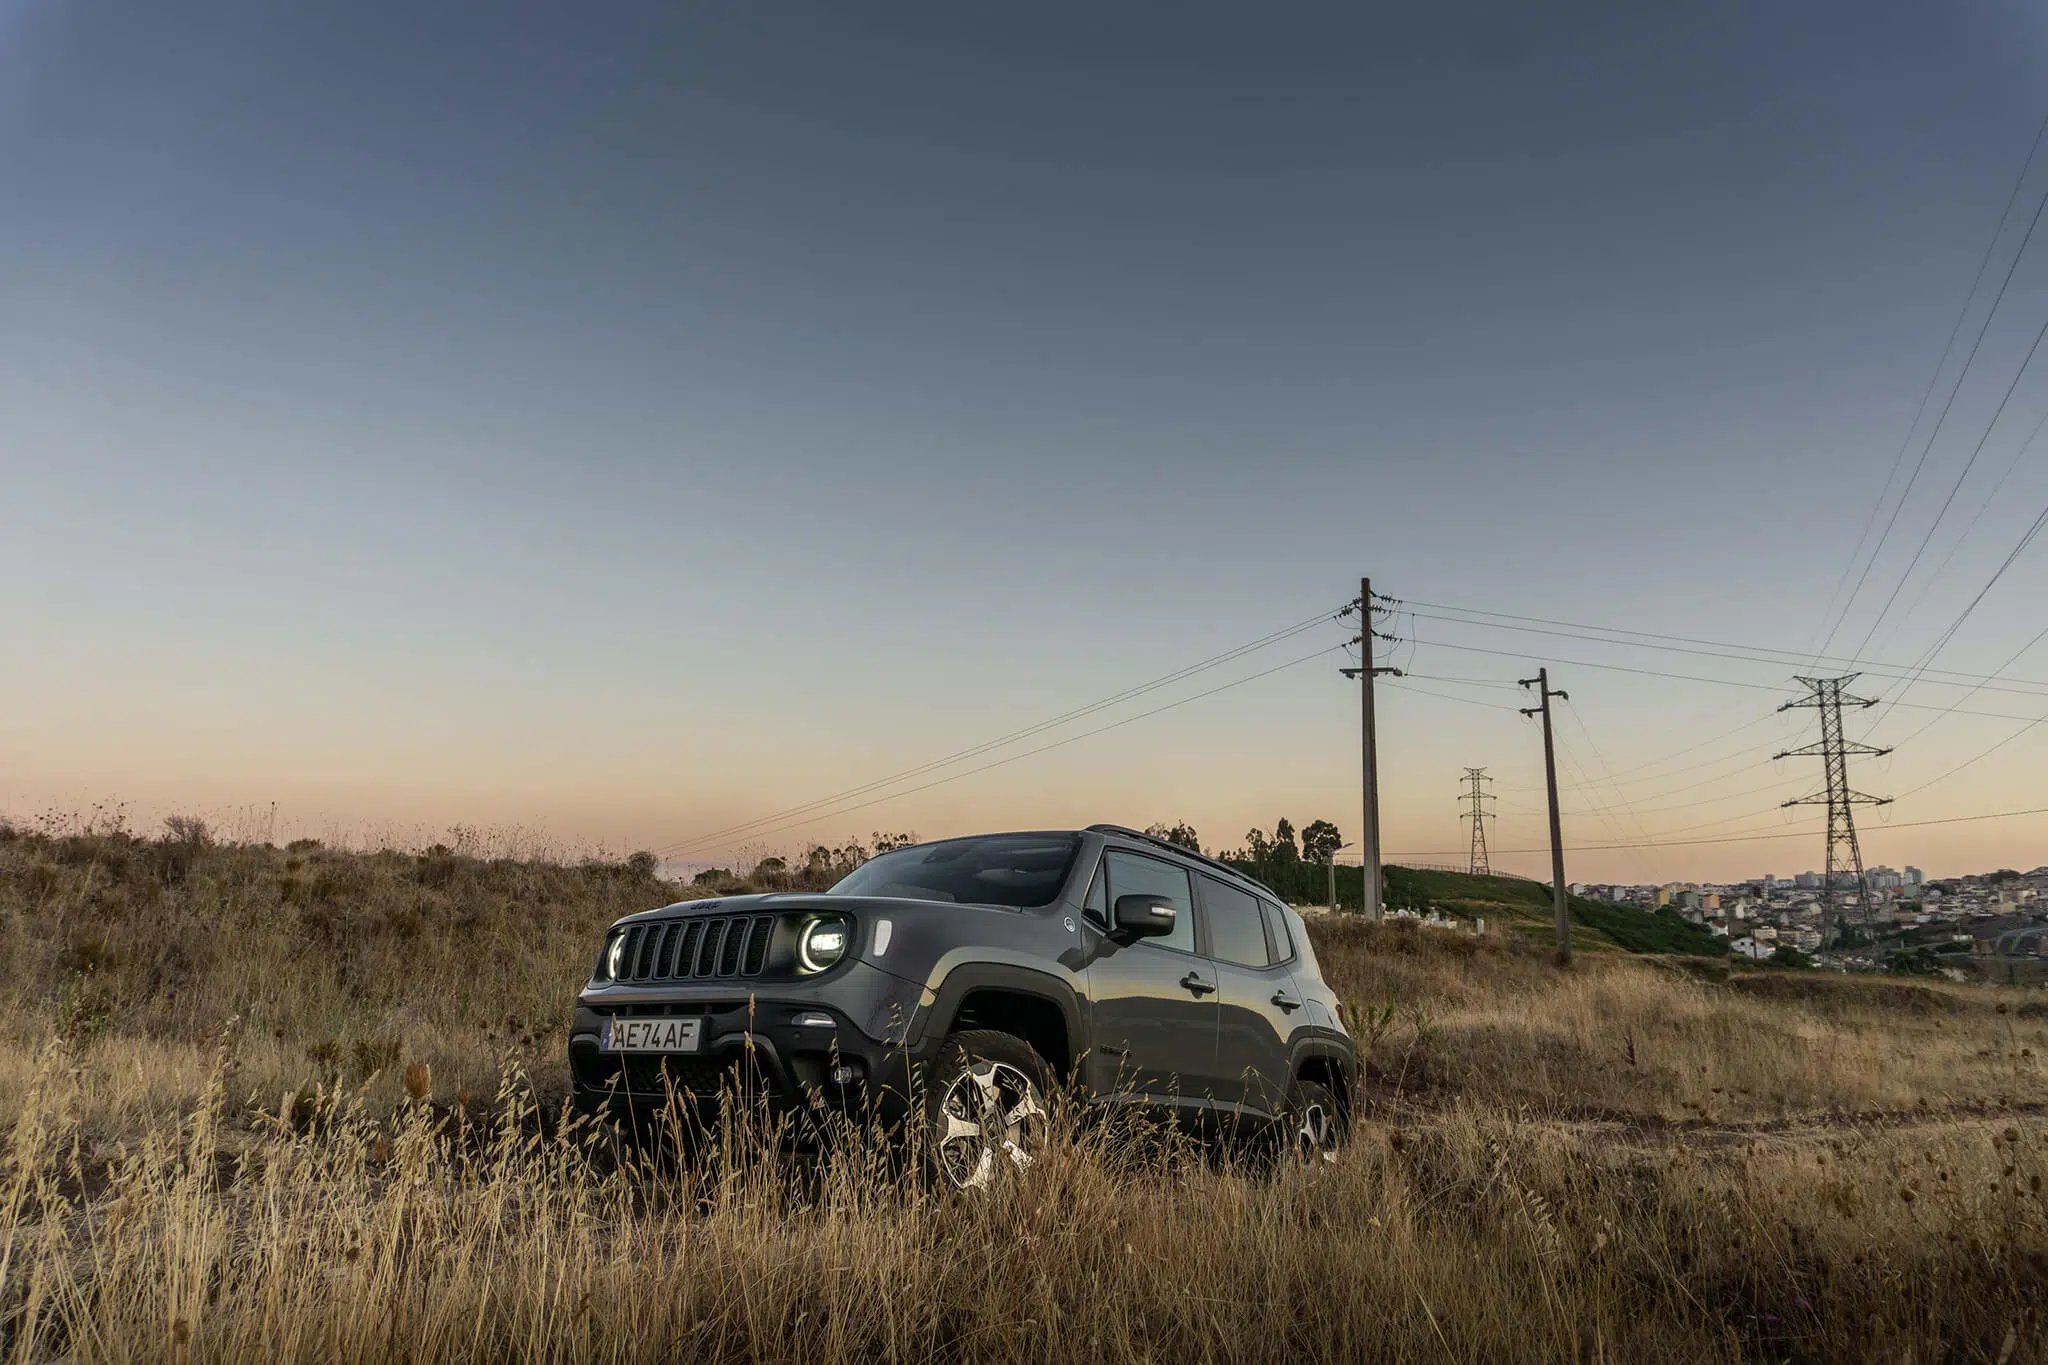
(643, 864)
(1258, 846)
(1179, 832)
(1913, 962)
(818, 861)
(711, 876)
(1320, 841)
(1790, 957)
(889, 843)
(1284, 848)
(770, 864)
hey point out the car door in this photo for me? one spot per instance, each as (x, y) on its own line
(1152, 1007)
(1256, 997)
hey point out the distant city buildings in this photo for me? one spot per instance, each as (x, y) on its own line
(1996, 922)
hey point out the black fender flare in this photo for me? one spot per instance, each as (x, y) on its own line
(936, 1019)
(1321, 1046)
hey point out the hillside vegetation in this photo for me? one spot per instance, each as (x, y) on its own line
(305, 1103)
(1509, 904)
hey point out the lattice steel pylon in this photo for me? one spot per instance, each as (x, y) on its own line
(1478, 815)
(1844, 854)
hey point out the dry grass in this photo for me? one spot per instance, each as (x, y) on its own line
(1626, 1162)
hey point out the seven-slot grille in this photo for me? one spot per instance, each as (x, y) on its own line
(699, 947)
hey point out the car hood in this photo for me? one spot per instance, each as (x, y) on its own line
(775, 901)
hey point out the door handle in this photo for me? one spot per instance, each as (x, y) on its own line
(1193, 982)
(1287, 1003)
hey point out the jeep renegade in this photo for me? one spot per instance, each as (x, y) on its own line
(955, 983)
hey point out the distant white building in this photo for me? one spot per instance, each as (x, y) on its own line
(1751, 949)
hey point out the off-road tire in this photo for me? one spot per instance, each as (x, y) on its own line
(1314, 1128)
(986, 1109)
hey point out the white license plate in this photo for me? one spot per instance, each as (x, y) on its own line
(672, 1034)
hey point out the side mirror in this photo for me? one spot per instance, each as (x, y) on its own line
(1145, 916)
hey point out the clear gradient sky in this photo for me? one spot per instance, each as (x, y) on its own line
(627, 419)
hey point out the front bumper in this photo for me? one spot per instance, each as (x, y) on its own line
(760, 1040)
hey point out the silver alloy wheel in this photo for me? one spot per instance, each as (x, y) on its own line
(991, 1112)
(1315, 1137)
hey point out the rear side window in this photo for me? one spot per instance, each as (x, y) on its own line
(1288, 926)
(1237, 931)
(1279, 942)
(1132, 874)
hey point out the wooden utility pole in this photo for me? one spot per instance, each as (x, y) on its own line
(1560, 899)
(1369, 841)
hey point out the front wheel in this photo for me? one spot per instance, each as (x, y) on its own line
(986, 1111)
(1315, 1125)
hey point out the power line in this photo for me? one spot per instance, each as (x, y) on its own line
(1463, 682)
(1746, 761)
(1028, 753)
(1950, 709)
(1712, 800)
(1758, 654)
(1935, 433)
(1694, 748)
(1446, 696)
(1572, 710)
(1740, 838)
(1962, 537)
(1581, 783)
(1974, 758)
(1941, 643)
(960, 756)
(1612, 668)
(1948, 347)
(1697, 677)
(1957, 486)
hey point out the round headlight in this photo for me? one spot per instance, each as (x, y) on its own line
(822, 943)
(613, 959)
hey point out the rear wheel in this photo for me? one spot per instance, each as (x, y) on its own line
(986, 1108)
(1315, 1126)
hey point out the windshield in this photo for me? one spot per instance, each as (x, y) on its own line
(1005, 869)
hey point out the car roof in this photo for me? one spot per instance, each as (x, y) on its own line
(1182, 851)
(1151, 842)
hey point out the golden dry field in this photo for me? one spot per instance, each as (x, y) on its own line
(305, 1103)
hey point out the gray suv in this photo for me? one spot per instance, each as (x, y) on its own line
(956, 983)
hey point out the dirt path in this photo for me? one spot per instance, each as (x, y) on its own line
(1653, 1129)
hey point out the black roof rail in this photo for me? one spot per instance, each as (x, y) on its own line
(1184, 851)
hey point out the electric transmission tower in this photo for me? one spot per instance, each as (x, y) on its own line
(1478, 815)
(1845, 857)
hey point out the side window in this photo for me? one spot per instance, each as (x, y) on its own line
(1278, 941)
(1096, 907)
(1237, 931)
(1131, 874)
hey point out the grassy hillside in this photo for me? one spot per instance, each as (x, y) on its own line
(1514, 904)
(275, 1104)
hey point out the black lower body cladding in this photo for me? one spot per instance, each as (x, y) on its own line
(847, 1044)
(785, 1066)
